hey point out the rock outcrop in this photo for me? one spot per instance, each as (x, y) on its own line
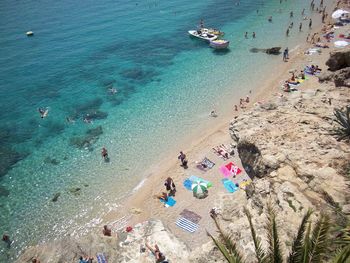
(339, 59)
(339, 65)
(126, 247)
(286, 146)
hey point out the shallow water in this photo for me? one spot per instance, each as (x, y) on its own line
(167, 83)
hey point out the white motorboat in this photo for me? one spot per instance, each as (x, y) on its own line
(219, 43)
(202, 35)
(30, 33)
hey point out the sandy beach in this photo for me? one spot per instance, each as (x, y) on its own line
(142, 205)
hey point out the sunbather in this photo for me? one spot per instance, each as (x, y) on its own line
(156, 252)
(163, 196)
(222, 152)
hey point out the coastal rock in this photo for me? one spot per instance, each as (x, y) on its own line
(342, 77)
(339, 59)
(126, 248)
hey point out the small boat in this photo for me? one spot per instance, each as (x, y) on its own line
(219, 43)
(30, 33)
(202, 35)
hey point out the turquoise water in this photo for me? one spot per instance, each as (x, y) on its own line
(167, 83)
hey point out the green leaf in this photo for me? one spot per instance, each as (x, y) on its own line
(259, 253)
(342, 256)
(274, 250)
(295, 256)
(319, 238)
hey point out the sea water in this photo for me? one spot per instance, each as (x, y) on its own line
(53, 181)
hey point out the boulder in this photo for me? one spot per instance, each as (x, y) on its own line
(273, 50)
(341, 78)
(339, 59)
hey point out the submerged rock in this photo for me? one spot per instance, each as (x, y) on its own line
(52, 161)
(74, 190)
(272, 51)
(88, 140)
(3, 191)
(8, 158)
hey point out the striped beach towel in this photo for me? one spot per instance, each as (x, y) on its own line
(101, 258)
(186, 224)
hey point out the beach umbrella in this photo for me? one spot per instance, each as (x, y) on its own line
(341, 43)
(199, 188)
(338, 13)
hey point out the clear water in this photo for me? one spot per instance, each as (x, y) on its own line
(167, 83)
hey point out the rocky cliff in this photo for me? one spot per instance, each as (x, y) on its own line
(286, 146)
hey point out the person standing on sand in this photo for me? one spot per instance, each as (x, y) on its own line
(236, 108)
(170, 186)
(310, 23)
(300, 26)
(107, 231)
(183, 159)
(307, 38)
(285, 55)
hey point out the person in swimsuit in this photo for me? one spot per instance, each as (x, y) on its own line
(183, 159)
(156, 252)
(107, 231)
(104, 153)
(170, 186)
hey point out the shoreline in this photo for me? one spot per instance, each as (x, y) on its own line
(136, 203)
(141, 205)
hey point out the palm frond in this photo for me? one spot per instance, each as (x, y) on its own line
(343, 119)
(259, 253)
(319, 238)
(295, 256)
(229, 245)
(224, 251)
(274, 251)
(306, 245)
(342, 256)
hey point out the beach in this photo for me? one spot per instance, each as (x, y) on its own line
(140, 205)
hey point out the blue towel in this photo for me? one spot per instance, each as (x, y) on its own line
(188, 184)
(101, 258)
(229, 185)
(170, 202)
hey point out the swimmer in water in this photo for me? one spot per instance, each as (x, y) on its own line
(43, 112)
(112, 91)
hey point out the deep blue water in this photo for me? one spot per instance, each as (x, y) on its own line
(80, 50)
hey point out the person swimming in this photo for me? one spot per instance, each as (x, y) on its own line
(112, 91)
(104, 153)
(43, 112)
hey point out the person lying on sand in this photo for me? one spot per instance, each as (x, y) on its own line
(286, 87)
(163, 196)
(220, 151)
(85, 259)
(156, 252)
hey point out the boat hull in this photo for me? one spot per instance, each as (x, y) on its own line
(219, 44)
(204, 36)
